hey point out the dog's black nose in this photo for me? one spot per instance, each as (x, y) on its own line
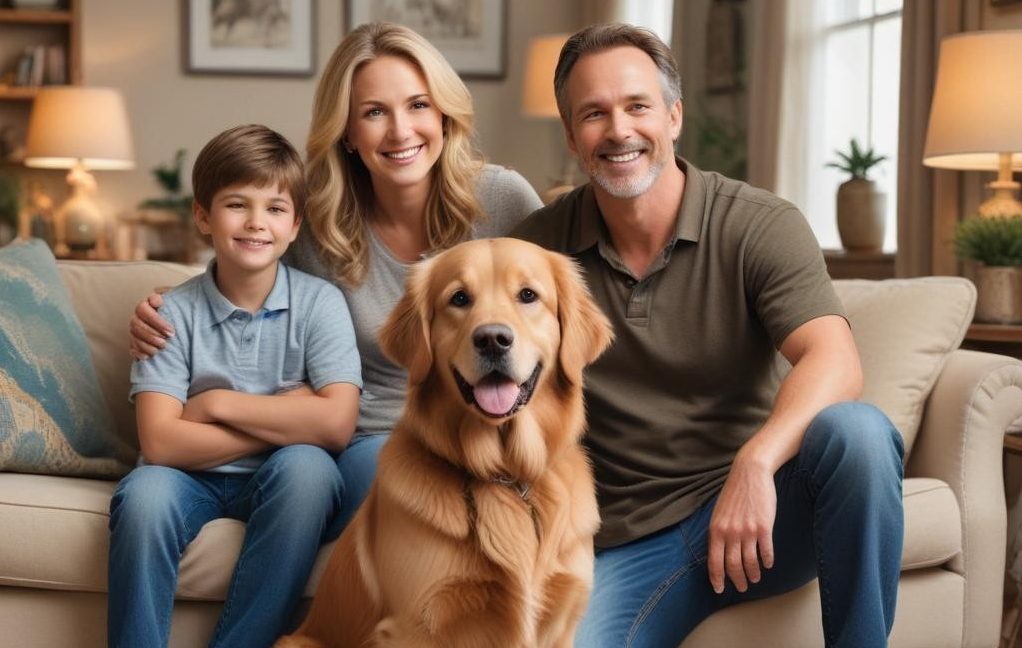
(493, 339)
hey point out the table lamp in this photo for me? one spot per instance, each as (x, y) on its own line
(974, 118)
(538, 99)
(78, 128)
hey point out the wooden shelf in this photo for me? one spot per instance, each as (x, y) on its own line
(36, 16)
(18, 93)
(1013, 443)
(843, 264)
(994, 333)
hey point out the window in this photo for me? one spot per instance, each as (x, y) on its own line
(655, 15)
(853, 53)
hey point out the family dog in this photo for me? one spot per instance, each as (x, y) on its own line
(478, 529)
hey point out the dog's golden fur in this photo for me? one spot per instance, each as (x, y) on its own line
(448, 550)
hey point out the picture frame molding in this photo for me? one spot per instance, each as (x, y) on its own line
(496, 68)
(193, 67)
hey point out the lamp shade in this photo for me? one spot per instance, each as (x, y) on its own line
(977, 101)
(538, 86)
(71, 124)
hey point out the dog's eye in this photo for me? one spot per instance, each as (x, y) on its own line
(460, 299)
(527, 295)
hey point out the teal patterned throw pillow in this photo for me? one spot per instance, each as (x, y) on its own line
(53, 418)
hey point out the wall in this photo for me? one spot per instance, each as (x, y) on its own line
(136, 47)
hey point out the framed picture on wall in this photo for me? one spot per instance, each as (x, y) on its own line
(471, 34)
(263, 37)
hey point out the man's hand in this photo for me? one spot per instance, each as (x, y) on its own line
(148, 330)
(741, 528)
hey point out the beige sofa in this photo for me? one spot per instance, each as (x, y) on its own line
(53, 530)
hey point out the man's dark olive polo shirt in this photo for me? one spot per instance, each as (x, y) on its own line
(691, 375)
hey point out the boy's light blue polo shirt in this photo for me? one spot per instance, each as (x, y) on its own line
(302, 334)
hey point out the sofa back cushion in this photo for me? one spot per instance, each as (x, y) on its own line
(104, 296)
(53, 418)
(905, 329)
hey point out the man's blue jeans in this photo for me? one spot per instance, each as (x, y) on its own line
(156, 511)
(839, 518)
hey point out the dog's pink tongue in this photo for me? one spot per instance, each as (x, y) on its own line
(496, 397)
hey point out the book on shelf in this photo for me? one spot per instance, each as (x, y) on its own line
(41, 65)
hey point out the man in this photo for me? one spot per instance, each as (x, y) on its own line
(715, 486)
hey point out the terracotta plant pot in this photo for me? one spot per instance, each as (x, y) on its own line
(861, 211)
(999, 294)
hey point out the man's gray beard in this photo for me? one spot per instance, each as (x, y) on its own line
(629, 188)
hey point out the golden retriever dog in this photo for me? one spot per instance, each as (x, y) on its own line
(478, 529)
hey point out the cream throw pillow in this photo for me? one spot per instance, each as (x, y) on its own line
(905, 329)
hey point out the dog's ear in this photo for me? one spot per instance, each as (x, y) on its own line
(585, 330)
(404, 337)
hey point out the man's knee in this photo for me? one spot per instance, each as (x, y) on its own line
(856, 436)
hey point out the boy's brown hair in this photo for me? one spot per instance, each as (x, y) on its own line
(251, 154)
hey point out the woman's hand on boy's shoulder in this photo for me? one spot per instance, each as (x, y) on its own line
(147, 329)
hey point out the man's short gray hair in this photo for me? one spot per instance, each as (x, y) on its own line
(597, 38)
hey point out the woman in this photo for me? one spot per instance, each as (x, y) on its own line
(393, 176)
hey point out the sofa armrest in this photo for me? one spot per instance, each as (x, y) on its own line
(977, 397)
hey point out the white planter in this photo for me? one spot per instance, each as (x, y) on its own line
(861, 211)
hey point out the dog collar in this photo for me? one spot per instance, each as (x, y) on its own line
(519, 487)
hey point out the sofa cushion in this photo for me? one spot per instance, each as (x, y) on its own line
(55, 530)
(933, 530)
(905, 329)
(104, 296)
(53, 418)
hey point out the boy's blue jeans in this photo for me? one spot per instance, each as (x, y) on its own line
(357, 465)
(839, 518)
(156, 511)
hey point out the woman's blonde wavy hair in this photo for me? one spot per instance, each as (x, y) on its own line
(340, 190)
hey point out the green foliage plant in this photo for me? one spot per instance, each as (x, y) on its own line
(168, 176)
(993, 241)
(857, 161)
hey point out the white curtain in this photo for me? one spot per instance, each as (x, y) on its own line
(801, 72)
(653, 14)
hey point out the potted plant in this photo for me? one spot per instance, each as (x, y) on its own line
(995, 244)
(168, 176)
(168, 232)
(861, 206)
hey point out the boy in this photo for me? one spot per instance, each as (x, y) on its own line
(222, 432)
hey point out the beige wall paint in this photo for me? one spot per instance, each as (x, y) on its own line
(136, 47)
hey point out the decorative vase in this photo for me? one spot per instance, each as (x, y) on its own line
(999, 294)
(861, 215)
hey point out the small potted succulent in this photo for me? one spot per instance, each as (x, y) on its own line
(861, 206)
(995, 244)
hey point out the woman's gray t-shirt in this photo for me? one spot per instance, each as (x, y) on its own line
(506, 198)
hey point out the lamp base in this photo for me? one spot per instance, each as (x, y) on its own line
(77, 221)
(554, 192)
(562, 184)
(1003, 202)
